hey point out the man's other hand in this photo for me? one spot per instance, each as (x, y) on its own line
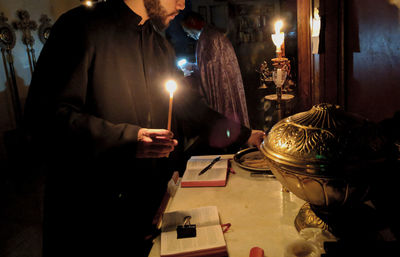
(256, 138)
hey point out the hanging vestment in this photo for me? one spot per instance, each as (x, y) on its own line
(220, 76)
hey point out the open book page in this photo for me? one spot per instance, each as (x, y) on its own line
(209, 234)
(216, 176)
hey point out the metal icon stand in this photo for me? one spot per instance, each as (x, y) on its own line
(26, 26)
(7, 43)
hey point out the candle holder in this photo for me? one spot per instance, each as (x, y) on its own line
(281, 72)
(281, 62)
(276, 104)
(279, 78)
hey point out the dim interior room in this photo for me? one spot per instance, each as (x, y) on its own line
(343, 52)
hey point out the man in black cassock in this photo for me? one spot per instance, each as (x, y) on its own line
(96, 112)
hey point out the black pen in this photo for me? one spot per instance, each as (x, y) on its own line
(209, 165)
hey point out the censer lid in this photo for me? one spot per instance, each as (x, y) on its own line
(325, 140)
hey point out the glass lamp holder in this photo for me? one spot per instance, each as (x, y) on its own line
(280, 63)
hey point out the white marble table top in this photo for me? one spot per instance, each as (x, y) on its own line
(259, 212)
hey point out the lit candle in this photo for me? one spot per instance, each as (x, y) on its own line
(278, 38)
(171, 87)
(88, 3)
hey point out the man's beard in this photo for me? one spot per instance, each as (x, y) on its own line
(156, 13)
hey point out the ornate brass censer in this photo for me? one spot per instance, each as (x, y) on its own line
(326, 157)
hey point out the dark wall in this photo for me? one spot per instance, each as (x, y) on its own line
(183, 45)
(373, 58)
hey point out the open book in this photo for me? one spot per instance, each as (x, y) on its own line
(215, 176)
(209, 239)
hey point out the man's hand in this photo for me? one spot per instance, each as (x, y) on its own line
(256, 138)
(155, 143)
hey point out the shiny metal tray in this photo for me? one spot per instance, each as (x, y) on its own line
(251, 159)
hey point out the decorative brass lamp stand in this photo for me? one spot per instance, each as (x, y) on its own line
(307, 218)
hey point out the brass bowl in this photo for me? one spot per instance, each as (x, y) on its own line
(325, 156)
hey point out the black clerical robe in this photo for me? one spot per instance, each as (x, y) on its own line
(99, 79)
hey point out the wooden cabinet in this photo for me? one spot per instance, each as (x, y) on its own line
(358, 63)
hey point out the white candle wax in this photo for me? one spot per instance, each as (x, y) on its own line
(279, 75)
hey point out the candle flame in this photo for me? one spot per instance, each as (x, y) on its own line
(278, 26)
(89, 3)
(171, 86)
(279, 37)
